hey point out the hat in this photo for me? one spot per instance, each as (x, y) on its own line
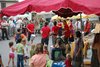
(97, 28)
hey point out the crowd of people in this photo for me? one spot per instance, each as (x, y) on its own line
(63, 32)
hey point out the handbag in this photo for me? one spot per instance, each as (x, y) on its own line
(49, 62)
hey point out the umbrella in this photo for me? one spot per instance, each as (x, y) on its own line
(86, 6)
(63, 12)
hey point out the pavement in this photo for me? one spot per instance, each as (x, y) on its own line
(4, 48)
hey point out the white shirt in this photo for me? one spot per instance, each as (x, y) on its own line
(11, 23)
(4, 24)
(26, 50)
(18, 23)
(78, 25)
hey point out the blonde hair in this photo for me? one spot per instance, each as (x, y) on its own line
(39, 48)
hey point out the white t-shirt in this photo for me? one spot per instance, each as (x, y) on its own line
(18, 23)
(78, 25)
(11, 24)
(26, 50)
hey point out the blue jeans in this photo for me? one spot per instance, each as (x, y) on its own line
(20, 60)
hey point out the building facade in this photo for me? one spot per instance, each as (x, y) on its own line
(6, 3)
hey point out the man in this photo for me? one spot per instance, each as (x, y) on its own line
(4, 27)
(19, 23)
(87, 27)
(66, 32)
(55, 29)
(78, 25)
(30, 28)
(11, 27)
(45, 31)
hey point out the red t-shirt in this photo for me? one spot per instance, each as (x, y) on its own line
(30, 27)
(67, 31)
(45, 31)
(87, 27)
(55, 29)
(68, 63)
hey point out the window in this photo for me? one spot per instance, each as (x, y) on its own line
(3, 5)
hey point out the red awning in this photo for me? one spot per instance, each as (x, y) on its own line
(86, 6)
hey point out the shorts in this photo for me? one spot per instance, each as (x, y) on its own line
(11, 55)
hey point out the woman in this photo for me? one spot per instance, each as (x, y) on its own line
(39, 59)
(78, 54)
(95, 60)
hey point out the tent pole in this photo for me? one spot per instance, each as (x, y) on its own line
(81, 21)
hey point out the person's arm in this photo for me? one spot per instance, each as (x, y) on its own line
(30, 63)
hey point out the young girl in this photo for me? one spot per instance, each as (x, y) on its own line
(11, 53)
(68, 61)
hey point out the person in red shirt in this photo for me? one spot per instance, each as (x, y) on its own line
(55, 29)
(71, 38)
(87, 27)
(30, 28)
(45, 31)
(66, 32)
(68, 61)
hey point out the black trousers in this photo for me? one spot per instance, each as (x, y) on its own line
(4, 33)
(45, 41)
(29, 36)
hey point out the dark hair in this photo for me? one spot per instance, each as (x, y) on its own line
(78, 34)
(18, 30)
(39, 48)
(46, 23)
(59, 41)
(45, 47)
(11, 44)
(55, 23)
(19, 40)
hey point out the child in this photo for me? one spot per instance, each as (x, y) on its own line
(68, 61)
(20, 53)
(32, 51)
(11, 53)
(18, 35)
(25, 51)
(1, 64)
(45, 49)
